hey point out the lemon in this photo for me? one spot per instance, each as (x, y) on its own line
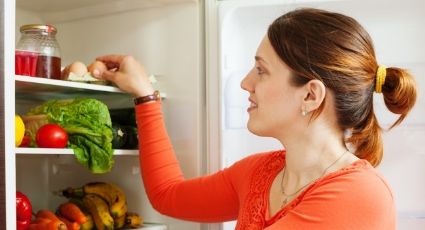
(19, 130)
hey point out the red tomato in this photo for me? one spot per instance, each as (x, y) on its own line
(51, 136)
(26, 141)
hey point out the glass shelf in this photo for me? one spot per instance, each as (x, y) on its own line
(152, 227)
(55, 151)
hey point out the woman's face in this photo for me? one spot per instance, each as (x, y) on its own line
(275, 104)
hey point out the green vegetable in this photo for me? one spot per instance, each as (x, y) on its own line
(132, 137)
(89, 128)
(119, 136)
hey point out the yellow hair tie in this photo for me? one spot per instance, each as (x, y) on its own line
(381, 73)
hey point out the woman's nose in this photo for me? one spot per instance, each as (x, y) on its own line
(246, 84)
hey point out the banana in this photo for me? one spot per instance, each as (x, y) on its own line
(133, 220)
(119, 221)
(99, 210)
(88, 225)
(113, 195)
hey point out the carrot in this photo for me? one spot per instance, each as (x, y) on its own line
(37, 226)
(72, 212)
(41, 220)
(56, 225)
(44, 213)
(70, 225)
(47, 224)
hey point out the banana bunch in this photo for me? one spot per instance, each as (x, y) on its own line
(107, 205)
(100, 211)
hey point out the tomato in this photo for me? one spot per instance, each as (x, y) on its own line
(26, 141)
(51, 136)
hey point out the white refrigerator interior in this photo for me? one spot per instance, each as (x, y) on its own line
(165, 36)
(397, 30)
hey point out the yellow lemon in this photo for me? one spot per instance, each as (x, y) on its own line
(19, 130)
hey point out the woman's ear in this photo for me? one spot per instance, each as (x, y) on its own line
(314, 95)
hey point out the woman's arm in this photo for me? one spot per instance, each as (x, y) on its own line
(206, 199)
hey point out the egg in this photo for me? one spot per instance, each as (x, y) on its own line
(97, 65)
(78, 68)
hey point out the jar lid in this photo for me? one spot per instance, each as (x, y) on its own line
(39, 27)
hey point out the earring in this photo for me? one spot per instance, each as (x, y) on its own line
(303, 112)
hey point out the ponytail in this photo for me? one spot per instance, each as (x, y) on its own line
(399, 91)
(367, 140)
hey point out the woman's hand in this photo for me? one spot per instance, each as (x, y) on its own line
(127, 73)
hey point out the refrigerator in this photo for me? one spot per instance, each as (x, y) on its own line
(164, 35)
(199, 51)
(396, 28)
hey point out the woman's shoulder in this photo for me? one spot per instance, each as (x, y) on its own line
(357, 195)
(358, 179)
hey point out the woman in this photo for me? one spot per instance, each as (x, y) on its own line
(312, 89)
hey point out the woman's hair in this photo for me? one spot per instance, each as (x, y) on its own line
(337, 50)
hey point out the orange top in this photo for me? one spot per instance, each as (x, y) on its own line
(355, 197)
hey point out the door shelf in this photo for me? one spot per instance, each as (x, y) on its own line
(56, 151)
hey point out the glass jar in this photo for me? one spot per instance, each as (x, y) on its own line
(37, 53)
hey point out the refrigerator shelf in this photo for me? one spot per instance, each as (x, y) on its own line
(25, 84)
(55, 151)
(152, 227)
(30, 90)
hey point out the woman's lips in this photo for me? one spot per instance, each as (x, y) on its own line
(252, 106)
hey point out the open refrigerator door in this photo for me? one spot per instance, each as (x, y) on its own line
(396, 29)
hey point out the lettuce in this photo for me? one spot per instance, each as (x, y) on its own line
(89, 128)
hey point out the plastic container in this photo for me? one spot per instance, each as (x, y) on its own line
(37, 53)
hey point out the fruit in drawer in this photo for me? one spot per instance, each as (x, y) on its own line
(19, 130)
(51, 136)
(99, 210)
(111, 193)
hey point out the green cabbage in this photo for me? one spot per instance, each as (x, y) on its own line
(89, 128)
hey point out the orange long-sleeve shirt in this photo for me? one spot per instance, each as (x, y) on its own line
(355, 197)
